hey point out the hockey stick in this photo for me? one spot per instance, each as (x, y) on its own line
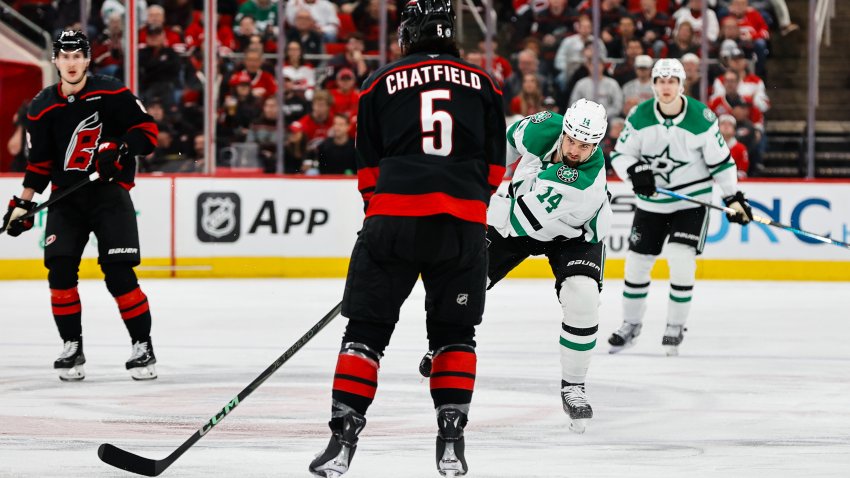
(56, 197)
(125, 460)
(759, 219)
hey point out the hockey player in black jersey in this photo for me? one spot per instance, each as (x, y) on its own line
(430, 152)
(78, 126)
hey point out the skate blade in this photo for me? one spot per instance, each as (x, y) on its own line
(672, 350)
(143, 373)
(619, 348)
(73, 374)
(579, 425)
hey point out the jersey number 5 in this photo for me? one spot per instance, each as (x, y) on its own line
(434, 118)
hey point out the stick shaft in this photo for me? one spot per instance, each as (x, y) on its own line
(125, 460)
(759, 219)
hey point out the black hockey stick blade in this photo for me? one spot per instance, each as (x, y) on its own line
(125, 460)
(112, 455)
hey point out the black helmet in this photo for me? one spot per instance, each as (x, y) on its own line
(426, 21)
(72, 40)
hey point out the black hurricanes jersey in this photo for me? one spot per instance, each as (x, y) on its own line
(430, 139)
(63, 132)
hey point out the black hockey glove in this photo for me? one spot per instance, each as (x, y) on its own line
(642, 178)
(744, 213)
(110, 158)
(425, 364)
(17, 208)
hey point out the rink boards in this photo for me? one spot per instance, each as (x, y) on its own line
(282, 227)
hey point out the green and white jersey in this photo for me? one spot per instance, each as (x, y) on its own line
(548, 200)
(687, 154)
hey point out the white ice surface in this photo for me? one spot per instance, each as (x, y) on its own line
(761, 389)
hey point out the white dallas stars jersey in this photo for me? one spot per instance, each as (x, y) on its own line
(687, 154)
(550, 201)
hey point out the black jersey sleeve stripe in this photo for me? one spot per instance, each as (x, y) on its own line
(535, 224)
(724, 160)
(692, 183)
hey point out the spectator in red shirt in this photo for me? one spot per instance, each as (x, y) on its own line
(195, 33)
(750, 86)
(530, 98)
(753, 28)
(156, 18)
(501, 66)
(319, 121)
(263, 84)
(728, 126)
(345, 95)
(722, 104)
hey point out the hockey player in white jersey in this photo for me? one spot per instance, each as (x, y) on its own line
(557, 205)
(672, 141)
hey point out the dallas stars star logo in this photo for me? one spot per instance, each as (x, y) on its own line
(663, 165)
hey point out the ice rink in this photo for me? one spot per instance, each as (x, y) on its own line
(761, 389)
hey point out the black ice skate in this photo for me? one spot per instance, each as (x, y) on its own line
(451, 461)
(624, 337)
(576, 405)
(70, 362)
(142, 361)
(673, 337)
(335, 459)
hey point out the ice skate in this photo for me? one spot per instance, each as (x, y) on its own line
(451, 461)
(70, 363)
(335, 459)
(142, 361)
(624, 337)
(673, 336)
(576, 406)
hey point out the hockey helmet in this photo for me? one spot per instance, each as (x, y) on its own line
(423, 20)
(71, 40)
(669, 68)
(586, 121)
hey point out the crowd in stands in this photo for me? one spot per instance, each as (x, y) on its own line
(545, 61)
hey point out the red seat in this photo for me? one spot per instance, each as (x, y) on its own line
(334, 48)
(346, 26)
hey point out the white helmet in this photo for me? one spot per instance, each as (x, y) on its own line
(586, 121)
(669, 68)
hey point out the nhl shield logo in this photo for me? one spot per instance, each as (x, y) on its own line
(218, 217)
(567, 174)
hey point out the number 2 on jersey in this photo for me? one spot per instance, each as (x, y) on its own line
(432, 119)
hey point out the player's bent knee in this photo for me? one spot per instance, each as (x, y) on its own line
(639, 266)
(62, 272)
(442, 334)
(579, 298)
(120, 277)
(375, 335)
(682, 260)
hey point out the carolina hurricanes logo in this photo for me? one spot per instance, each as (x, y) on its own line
(83, 142)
